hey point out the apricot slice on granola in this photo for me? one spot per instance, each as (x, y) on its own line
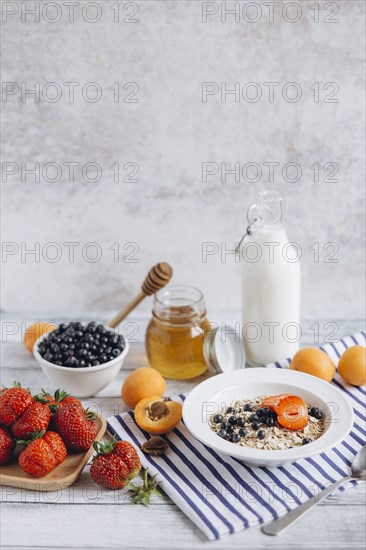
(292, 413)
(273, 400)
(157, 416)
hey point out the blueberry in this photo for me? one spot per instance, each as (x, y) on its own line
(319, 415)
(63, 347)
(78, 326)
(95, 363)
(232, 420)
(253, 417)
(242, 432)
(255, 425)
(114, 339)
(248, 407)
(91, 327)
(234, 438)
(259, 413)
(89, 338)
(273, 415)
(108, 350)
(261, 434)
(62, 327)
(224, 425)
(48, 357)
(69, 353)
(100, 329)
(115, 352)
(68, 340)
(82, 352)
(218, 418)
(306, 440)
(103, 359)
(229, 428)
(270, 421)
(266, 411)
(41, 348)
(222, 433)
(240, 422)
(71, 362)
(230, 410)
(79, 334)
(81, 363)
(104, 340)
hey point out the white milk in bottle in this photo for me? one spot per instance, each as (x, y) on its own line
(270, 284)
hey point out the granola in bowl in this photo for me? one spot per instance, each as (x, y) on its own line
(271, 423)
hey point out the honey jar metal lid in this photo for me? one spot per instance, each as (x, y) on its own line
(223, 350)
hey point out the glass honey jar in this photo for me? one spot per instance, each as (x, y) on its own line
(176, 333)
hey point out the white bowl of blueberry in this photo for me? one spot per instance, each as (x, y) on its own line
(83, 358)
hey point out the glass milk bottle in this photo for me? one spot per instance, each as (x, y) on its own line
(270, 284)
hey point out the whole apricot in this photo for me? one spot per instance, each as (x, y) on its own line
(314, 361)
(34, 331)
(141, 383)
(352, 366)
(156, 416)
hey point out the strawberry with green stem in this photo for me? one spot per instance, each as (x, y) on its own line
(125, 450)
(13, 402)
(42, 453)
(59, 398)
(36, 417)
(76, 426)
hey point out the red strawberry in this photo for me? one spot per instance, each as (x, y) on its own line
(76, 426)
(57, 446)
(37, 459)
(13, 402)
(7, 446)
(60, 398)
(128, 453)
(110, 471)
(36, 417)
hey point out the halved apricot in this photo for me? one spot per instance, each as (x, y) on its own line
(292, 413)
(273, 400)
(156, 416)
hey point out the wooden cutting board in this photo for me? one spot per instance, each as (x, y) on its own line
(63, 476)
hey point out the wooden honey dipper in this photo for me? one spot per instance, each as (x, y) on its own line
(157, 278)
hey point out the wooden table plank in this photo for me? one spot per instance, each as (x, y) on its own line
(72, 526)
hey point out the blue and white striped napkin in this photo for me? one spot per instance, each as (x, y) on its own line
(220, 494)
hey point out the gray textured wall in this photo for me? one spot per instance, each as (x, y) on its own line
(169, 212)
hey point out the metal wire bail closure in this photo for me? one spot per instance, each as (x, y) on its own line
(250, 229)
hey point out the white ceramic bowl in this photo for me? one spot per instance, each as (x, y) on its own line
(211, 395)
(81, 382)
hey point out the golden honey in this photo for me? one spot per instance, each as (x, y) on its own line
(176, 332)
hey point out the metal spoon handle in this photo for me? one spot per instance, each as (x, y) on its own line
(279, 525)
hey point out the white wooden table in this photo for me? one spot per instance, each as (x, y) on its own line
(86, 516)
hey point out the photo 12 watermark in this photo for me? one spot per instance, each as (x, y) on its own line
(269, 92)
(248, 12)
(269, 172)
(69, 171)
(69, 92)
(253, 252)
(71, 252)
(70, 12)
